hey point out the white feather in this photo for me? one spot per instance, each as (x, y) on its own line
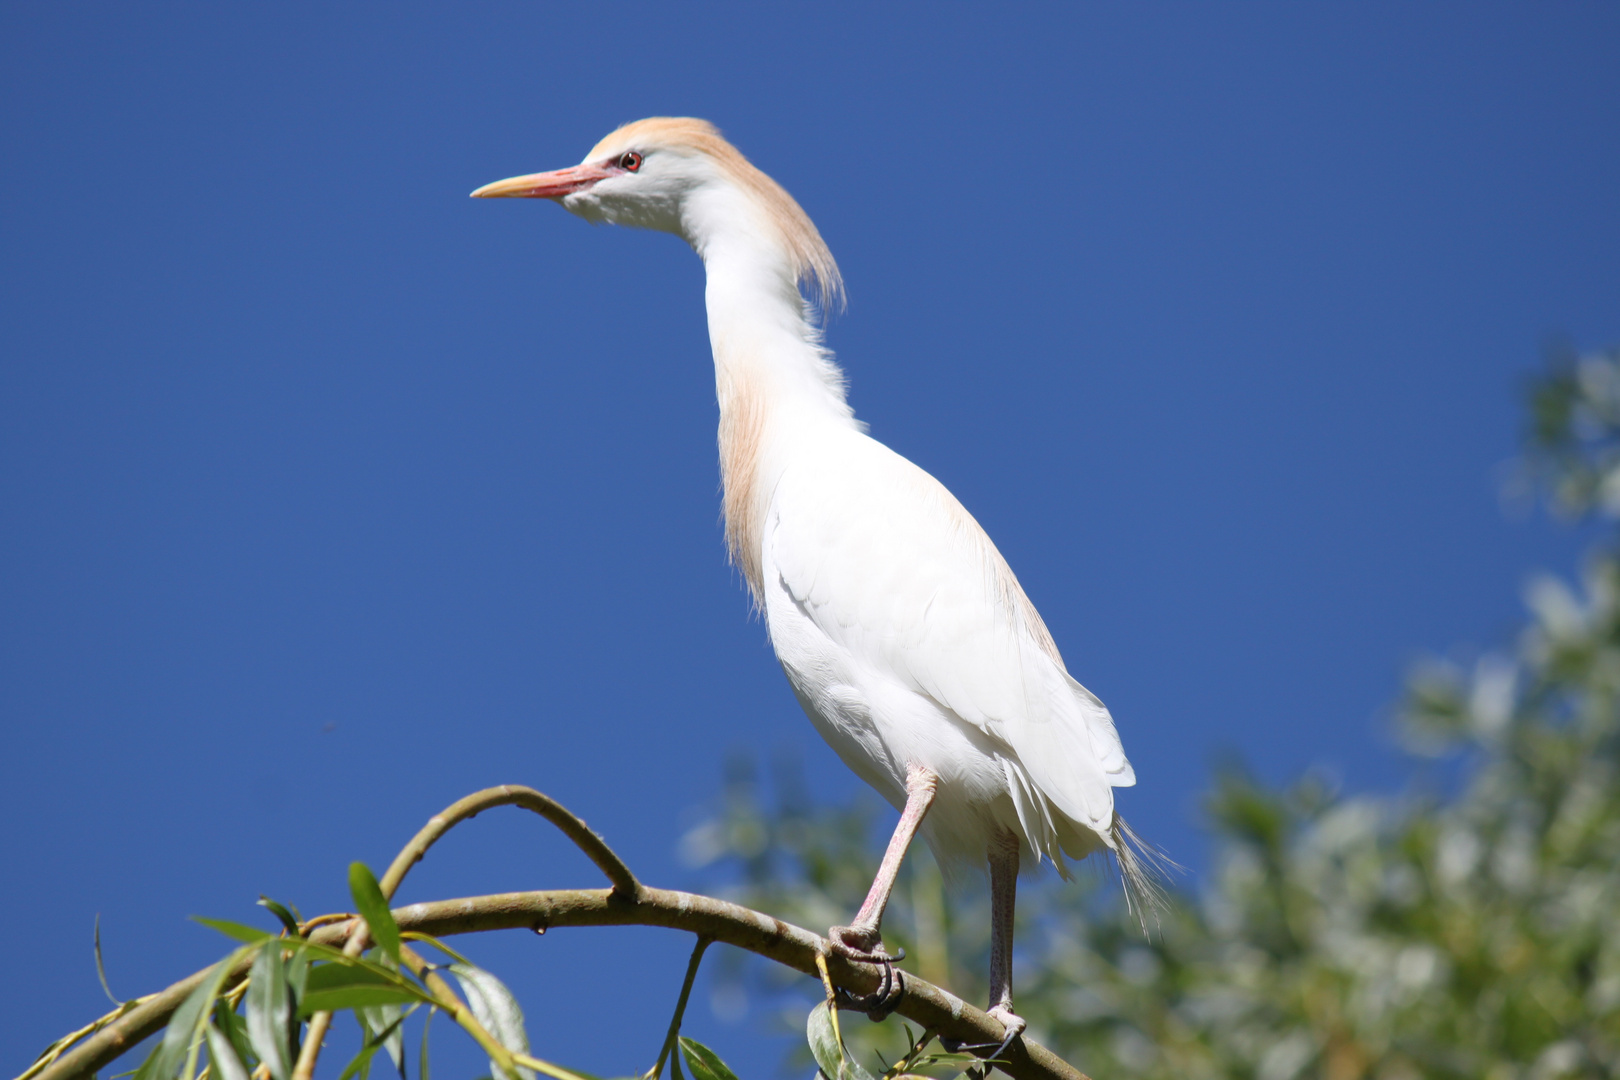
(909, 641)
(903, 632)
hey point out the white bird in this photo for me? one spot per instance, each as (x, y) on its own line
(903, 632)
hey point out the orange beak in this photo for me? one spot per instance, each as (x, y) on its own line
(546, 185)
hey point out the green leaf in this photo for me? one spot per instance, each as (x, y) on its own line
(417, 935)
(369, 902)
(147, 1070)
(252, 935)
(835, 1062)
(384, 1018)
(222, 1055)
(951, 1059)
(298, 973)
(363, 1059)
(330, 987)
(494, 1007)
(234, 1028)
(101, 970)
(183, 1036)
(287, 918)
(704, 1063)
(317, 951)
(324, 977)
(269, 1011)
(353, 997)
(422, 1058)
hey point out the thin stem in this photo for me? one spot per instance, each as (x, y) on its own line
(680, 1007)
(57, 1048)
(529, 1061)
(608, 861)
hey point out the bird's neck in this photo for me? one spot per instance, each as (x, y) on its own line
(776, 384)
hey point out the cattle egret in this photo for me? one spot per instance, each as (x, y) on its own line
(903, 632)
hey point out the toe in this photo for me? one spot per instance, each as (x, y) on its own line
(1012, 1025)
(863, 946)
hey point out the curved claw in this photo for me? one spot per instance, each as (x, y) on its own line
(851, 944)
(1014, 1026)
(867, 948)
(882, 1002)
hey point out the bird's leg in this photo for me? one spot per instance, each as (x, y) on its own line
(1003, 899)
(863, 939)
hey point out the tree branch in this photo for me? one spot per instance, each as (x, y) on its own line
(606, 859)
(934, 1008)
(628, 903)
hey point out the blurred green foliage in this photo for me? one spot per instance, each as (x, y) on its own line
(1470, 933)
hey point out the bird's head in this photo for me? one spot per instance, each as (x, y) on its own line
(679, 175)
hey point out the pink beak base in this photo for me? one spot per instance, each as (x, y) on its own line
(546, 185)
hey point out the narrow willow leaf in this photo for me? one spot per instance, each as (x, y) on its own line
(374, 1042)
(422, 1057)
(417, 935)
(317, 951)
(240, 931)
(324, 977)
(369, 902)
(362, 1061)
(704, 1063)
(280, 912)
(269, 1011)
(835, 1063)
(356, 985)
(148, 1068)
(385, 1018)
(959, 1060)
(824, 1046)
(222, 1055)
(101, 970)
(184, 1033)
(493, 1005)
(353, 997)
(338, 972)
(234, 1028)
(298, 973)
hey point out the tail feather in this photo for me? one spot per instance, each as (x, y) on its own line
(1144, 871)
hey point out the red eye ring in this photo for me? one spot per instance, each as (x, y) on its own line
(630, 161)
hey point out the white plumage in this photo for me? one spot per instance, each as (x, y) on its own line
(905, 635)
(909, 641)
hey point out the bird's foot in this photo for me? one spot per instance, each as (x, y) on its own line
(1013, 1026)
(861, 946)
(867, 947)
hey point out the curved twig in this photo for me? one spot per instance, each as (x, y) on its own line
(606, 859)
(528, 798)
(674, 1034)
(928, 1005)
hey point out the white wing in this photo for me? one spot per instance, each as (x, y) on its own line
(886, 562)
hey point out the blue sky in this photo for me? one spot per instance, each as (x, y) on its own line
(328, 495)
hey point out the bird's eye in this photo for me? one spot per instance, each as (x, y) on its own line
(630, 161)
